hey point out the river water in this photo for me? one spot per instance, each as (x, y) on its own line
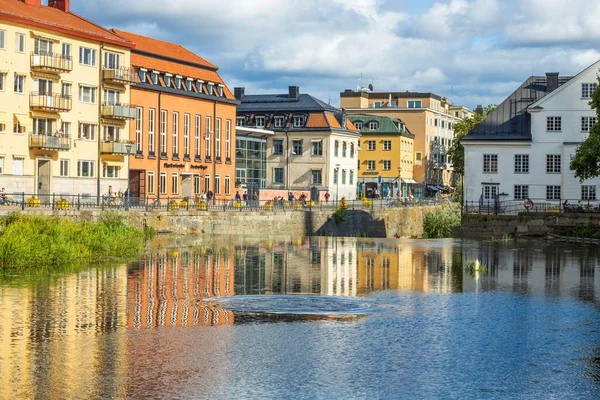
(314, 318)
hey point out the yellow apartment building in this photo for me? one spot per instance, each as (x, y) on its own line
(64, 94)
(386, 156)
(427, 116)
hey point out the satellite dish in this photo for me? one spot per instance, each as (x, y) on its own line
(371, 87)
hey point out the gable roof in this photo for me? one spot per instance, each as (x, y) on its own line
(282, 103)
(385, 124)
(54, 19)
(510, 119)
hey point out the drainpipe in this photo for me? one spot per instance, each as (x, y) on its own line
(99, 133)
(214, 153)
(287, 161)
(157, 153)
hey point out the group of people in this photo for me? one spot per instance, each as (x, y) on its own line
(112, 196)
(244, 197)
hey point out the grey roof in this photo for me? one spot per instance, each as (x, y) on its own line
(282, 103)
(510, 119)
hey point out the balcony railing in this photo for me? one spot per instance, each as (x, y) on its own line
(123, 75)
(117, 147)
(51, 62)
(50, 102)
(118, 111)
(58, 142)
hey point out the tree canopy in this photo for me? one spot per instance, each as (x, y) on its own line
(586, 161)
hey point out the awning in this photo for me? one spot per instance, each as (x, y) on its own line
(36, 74)
(22, 118)
(45, 115)
(411, 181)
(37, 35)
(5, 118)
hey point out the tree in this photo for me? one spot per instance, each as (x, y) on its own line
(586, 162)
(456, 152)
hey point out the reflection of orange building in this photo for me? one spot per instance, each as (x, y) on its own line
(185, 126)
(167, 289)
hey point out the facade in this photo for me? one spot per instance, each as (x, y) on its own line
(302, 154)
(428, 117)
(184, 132)
(386, 156)
(524, 153)
(64, 97)
(251, 158)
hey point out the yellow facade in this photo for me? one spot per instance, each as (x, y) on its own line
(53, 125)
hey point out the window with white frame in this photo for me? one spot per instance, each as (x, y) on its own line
(154, 77)
(259, 122)
(587, 90)
(19, 43)
(521, 163)
(587, 123)
(66, 128)
(414, 104)
(66, 51)
(298, 121)
(588, 192)
(1, 165)
(85, 168)
(317, 148)
(112, 60)
(217, 185)
(490, 163)
(351, 150)
(387, 145)
(178, 82)
(521, 192)
(65, 90)
(371, 144)
(228, 140)
(553, 124)
(138, 129)
(2, 39)
(553, 192)
(240, 121)
(17, 166)
(344, 172)
(186, 135)
(358, 125)
(351, 178)
(151, 124)
(377, 104)
(2, 128)
(197, 137)
(387, 165)
(335, 176)
(278, 121)
(112, 133)
(207, 138)
(373, 125)
(150, 183)
(175, 183)
(64, 168)
(43, 46)
(43, 126)
(111, 171)
(336, 148)
(490, 192)
(316, 177)
(175, 133)
(87, 94)
(87, 56)
(218, 139)
(163, 133)
(371, 165)
(19, 85)
(111, 97)
(162, 183)
(553, 163)
(167, 80)
(344, 149)
(197, 181)
(227, 185)
(87, 131)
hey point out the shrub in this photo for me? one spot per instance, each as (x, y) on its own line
(439, 224)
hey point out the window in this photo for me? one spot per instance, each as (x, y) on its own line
(240, 121)
(42, 46)
(588, 192)
(343, 177)
(154, 77)
(351, 180)
(490, 163)
(197, 187)
(19, 83)
(418, 156)
(175, 142)
(414, 104)
(316, 178)
(178, 82)
(1, 162)
(20, 43)
(387, 165)
(553, 192)
(521, 163)
(188, 85)
(587, 123)
(277, 147)
(2, 128)
(150, 182)
(163, 134)
(87, 56)
(217, 140)
(297, 147)
(162, 184)
(335, 176)
(2, 39)
(344, 149)
(587, 90)
(138, 129)
(186, 135)
(358, 125)
(66, 50)
(490, 192)
(387, 145)
(85, 169)
(87, 94)
(65, 90)
(167, 80)
(207, 140)
(111, 96)
(64, 168)
(298, 121)
(373, 125)
(553, 124)
(259, 122)
(217, 185)
(227, 184)
(317, 148)
(371, 165)
(17, 166)
(278, 175)
(87, 131)
(151, 122)
(278, 122)
(42, 126)
(110, 171)
(553, 163)
(197, 138)
(43, 86)
(228, 140)
(207, 183)
(336, 149)
(521, 192)
(2, 80)
(352, 150)
(377, 104)
(371, 145)
(111, 133)
(17, 128)
(175, 183)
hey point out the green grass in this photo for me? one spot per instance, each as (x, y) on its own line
(28, 241)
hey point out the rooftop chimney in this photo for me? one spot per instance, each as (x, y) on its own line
(294, 92)
(239, 93)
(62, 5)
(551, 81)
(33, 2)
(479, 109)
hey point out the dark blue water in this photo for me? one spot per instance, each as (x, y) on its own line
(404, 320)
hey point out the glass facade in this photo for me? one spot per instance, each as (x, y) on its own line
(250, 161)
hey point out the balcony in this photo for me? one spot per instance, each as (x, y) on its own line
(118, 111)
(117, 147)
(49, 102)
(50, 62)
(48, 142)
(121, 76)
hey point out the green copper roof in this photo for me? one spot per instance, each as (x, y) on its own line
(385, 125)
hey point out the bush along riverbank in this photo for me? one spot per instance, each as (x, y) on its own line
(439, 224)
(28, 241)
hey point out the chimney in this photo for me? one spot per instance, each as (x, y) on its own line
(551, 81)
(479, 109)
(33, 2)
(294, 92)
(239, 93)
(62, 5)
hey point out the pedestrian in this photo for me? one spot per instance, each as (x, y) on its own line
(3, 196)
(327, 196)
(291, 196)
(209, 195)
(237, 196)
(245, 198)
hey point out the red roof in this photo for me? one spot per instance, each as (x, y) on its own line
(57, 20)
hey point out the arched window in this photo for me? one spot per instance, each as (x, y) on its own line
(336, 149)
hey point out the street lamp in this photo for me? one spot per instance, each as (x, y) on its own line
(337, 181)
(400, 191)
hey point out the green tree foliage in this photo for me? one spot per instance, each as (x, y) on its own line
(457, 152)
(439, 224)
(586, 162)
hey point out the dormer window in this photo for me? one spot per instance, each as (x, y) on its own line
(373, 125)
(209, 88)
(358, 125)
(220, 90)
(259, 122)
(178, 82)
(298, 121)
(199, 86)
(188, 85)
(240, 121)
(142, 75)
(167, 80)
(278, 122)
(154, 77)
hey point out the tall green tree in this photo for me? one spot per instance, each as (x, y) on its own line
(586, 161)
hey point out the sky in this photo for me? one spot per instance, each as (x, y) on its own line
(471, 51)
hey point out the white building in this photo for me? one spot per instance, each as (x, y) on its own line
(522, 149)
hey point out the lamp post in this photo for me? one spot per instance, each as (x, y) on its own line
(337, 181)
(400, 191)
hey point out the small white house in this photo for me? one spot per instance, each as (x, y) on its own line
(522, 150)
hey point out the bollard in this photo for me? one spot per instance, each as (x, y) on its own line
(53, 201)
(23, 202)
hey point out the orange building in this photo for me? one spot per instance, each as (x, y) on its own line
(184, 131)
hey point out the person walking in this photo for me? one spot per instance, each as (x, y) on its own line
(327, 196)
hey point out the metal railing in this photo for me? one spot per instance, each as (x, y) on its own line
(117, 147)
(122, 75)
(514, 207)
(118, 111)
(57, 141)
(51, 62)
(50, 101)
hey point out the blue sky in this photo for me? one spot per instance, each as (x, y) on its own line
(475, 51)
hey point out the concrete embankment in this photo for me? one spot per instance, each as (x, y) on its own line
(379, 222)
